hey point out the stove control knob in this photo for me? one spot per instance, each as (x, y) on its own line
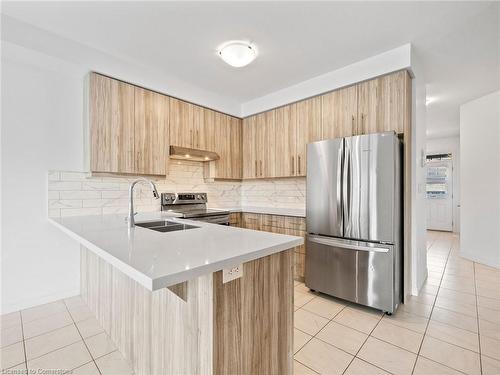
(198, 196)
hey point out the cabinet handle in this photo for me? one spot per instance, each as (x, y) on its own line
(298, 164)
(191, 139)
(197, 139)
(362, 123)
(293, 166)
(261, 168)
(256, 169)
(352, 126)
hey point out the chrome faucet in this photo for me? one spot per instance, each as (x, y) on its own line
(131, 213)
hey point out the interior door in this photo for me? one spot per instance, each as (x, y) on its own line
(324, 184)
(369, 187)
(439, 195)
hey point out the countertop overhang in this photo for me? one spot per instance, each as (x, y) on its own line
(157, 260)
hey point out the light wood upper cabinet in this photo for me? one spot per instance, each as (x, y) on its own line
(339, 112)
(191, 126)
(286, 141)
(265, 135)
(249, 148)
(259, 142)
(236, 142)
(309, 129)
(151, 132)
(207, 130)
(111, 125)
(182, 125)
(382, 103)
(228, 144)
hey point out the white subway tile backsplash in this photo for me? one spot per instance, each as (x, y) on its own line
(80, 211)
(54, 176)
(73, 176)
(99, 185)
(53, 194)
(65, 203)
(77, 193)
(80, 194)
(64, 185)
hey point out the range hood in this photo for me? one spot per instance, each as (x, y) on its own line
(184, 153)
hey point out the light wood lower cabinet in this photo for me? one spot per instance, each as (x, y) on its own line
(291, 225)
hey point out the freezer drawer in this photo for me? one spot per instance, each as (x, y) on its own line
(356, 271)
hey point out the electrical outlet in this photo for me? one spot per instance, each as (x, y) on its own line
(229, 274)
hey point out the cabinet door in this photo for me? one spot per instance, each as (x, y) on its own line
(339, 111)
(222, 145)
(368, 107)
(181, 123)
(151, 132)
(208, 130)
(308, 129)
(111, 125)
(198, 140)
(382, 103)
(266, 143)
(394, 89)
(249, 147)
(285, 154)
(235, 148)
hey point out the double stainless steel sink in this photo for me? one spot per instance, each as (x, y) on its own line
(165, 225)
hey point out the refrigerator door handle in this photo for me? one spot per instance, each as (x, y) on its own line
(346, 186)
(333, 242)
(339, 186)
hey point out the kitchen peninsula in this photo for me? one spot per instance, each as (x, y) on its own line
(162, 299)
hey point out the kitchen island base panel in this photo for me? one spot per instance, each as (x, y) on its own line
(253, 318)
(240, 327)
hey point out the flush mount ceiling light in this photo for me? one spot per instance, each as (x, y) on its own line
(237, 53)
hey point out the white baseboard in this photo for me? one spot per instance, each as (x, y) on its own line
(27, 303)
(478, 259)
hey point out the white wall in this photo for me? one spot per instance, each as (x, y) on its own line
(480, 179)
(449, 145)
(42, 101)
(418, 177)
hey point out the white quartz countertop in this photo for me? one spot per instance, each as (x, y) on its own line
(157, 260)
(298, 212)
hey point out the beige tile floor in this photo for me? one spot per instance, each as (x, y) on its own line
(62, 335)
(452, 327)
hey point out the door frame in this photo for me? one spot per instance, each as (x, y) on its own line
(435, 158)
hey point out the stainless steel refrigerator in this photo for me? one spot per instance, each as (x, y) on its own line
(354, 219)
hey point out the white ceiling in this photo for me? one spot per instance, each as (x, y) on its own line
(458, 42)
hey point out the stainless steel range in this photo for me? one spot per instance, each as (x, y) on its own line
(193, 206)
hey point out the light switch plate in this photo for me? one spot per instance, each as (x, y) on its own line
(229, 274)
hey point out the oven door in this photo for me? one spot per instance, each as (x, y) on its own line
(213, 219)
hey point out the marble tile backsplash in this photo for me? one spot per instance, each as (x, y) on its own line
(79, 193)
